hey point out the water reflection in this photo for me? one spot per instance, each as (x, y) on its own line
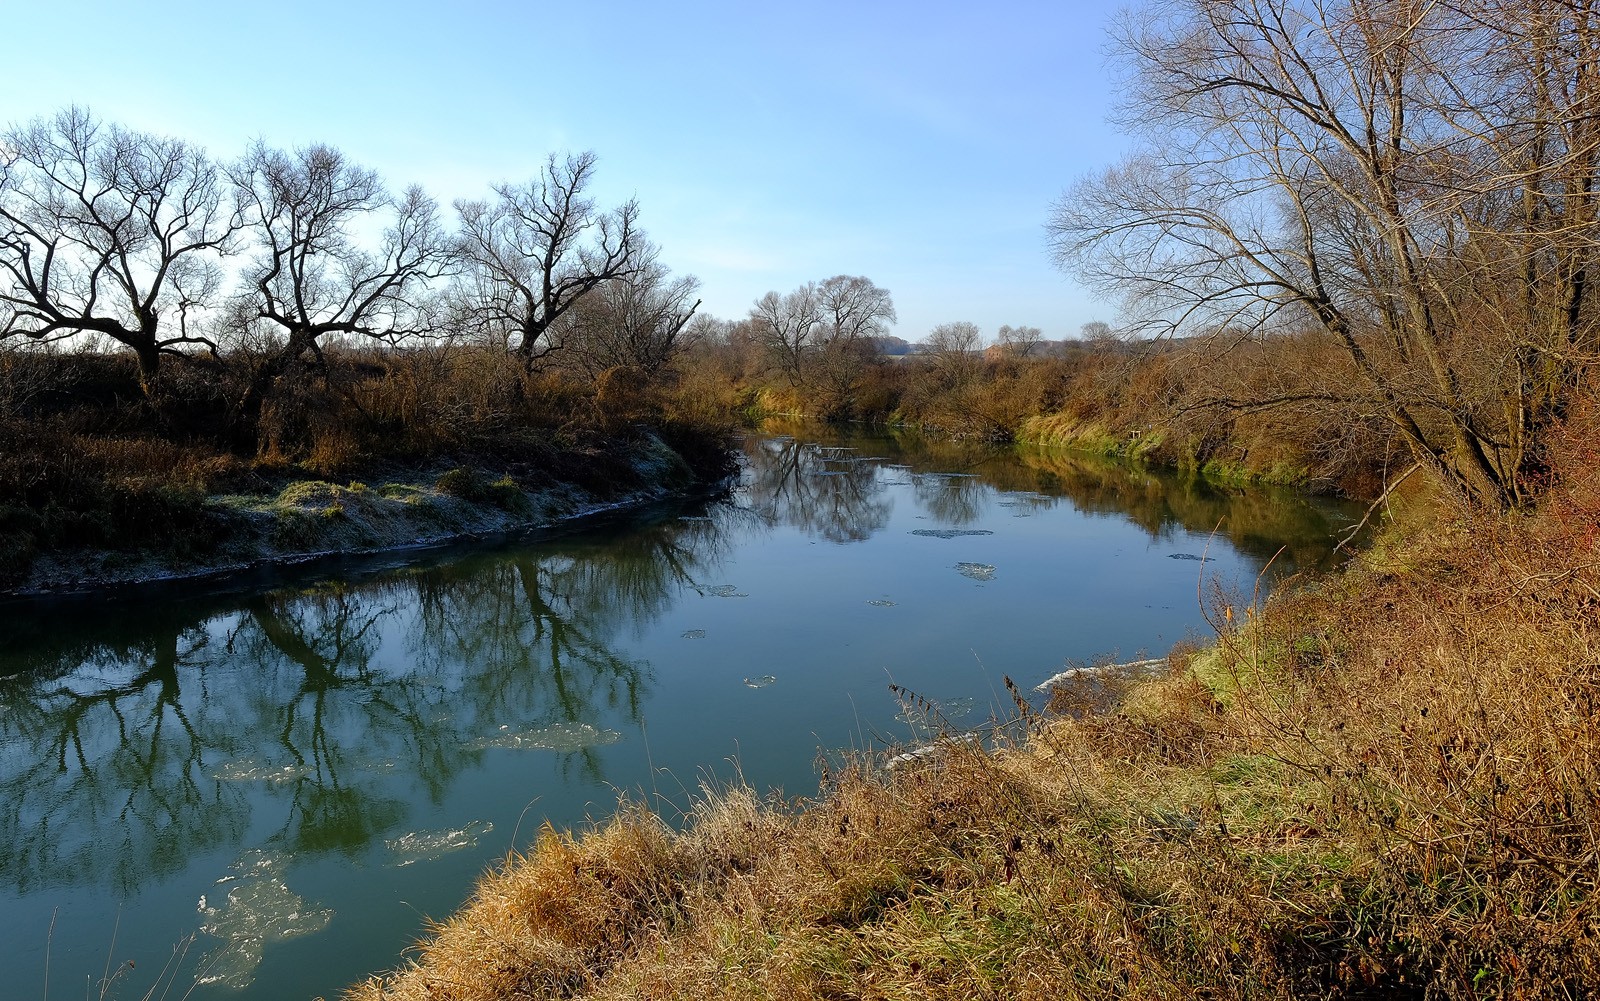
(842, 493)
(316, 745)
(1295, 530)
(825, 491)
(125, 752)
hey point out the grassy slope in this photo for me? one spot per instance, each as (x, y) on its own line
(1386, 784)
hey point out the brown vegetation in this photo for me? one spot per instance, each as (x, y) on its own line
(1412, 180)
(1380, 785)
(90, 460)
(1184, 403)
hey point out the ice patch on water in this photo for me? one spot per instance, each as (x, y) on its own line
(252, 770)
(694, 634)
(425, 846)
(977, 571)
(881, 603)
(725, 591)
(259, 909)
(761, 682)
(949, 533)
(556, 737)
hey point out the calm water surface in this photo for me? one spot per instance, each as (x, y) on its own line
(272, 790)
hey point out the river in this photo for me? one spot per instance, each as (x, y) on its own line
(272, 788)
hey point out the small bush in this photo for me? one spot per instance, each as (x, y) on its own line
(470, 484)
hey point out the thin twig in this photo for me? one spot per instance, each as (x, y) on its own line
(1382, 499)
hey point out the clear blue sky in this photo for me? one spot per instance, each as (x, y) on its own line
(919, 144)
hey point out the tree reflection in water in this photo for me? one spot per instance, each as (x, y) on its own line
(828, 492)
(130, 747)
(841, 493)
(105, 771)
(320, 721)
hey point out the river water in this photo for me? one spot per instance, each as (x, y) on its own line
(271, 789)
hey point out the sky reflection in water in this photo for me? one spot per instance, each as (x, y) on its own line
(325, 762)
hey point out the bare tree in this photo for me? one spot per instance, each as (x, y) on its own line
(788, 326)
(1096, 332)
(109, 232)
(1414, 178)
(955, 349)
(855, 313)
(537, 250)
(853, 308)
(312, 277)
(633, 322)
(1019, 342)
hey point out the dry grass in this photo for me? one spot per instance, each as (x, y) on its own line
(87, 461)
(1386, 785)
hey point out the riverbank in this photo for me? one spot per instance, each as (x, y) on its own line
(1380, 784)
(1268, 463)
(307, 519)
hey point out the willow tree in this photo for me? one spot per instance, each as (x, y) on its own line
(313, 277)
(1414, 178)
(635, 322)
(538, 249)
(111, 233)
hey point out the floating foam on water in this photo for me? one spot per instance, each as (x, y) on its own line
(931, 752)
(881, 603)
(252, 770)
(694, 634)
(259, 909)
(977, 571)
(761, 682)
(556, 737)
(949, 533)
(950, 709)
(1091, 670)
(425, 846)
(725, 591)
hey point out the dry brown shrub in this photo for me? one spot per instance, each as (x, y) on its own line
(1444, 704)
(551, 921)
